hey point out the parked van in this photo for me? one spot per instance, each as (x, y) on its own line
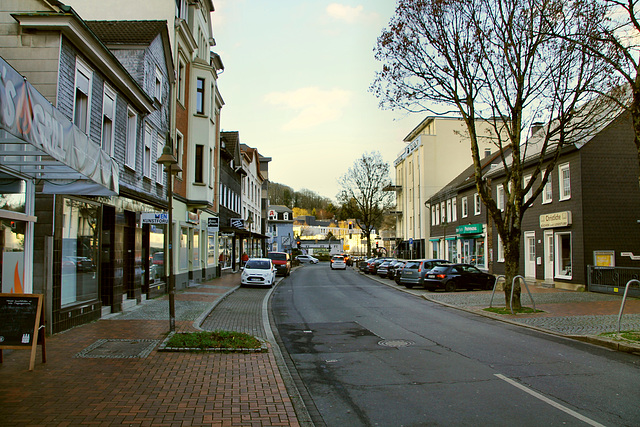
(282, 262)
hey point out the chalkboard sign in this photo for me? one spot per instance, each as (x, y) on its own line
(20, 321)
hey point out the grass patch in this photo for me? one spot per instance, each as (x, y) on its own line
(625, 335)
(215, 339)
(506, 310)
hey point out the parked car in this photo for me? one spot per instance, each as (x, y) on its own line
(455, 276)
(258, 271)
(383, 268)
(414, 271)
(376, 264)
(307, 258)
(364, 265)
(391, 273)
(338, 263)
(282, 261)
(398, 271)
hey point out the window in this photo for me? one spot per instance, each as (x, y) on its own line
(146, 167)
(157, 93)
(435, 249)
(500, 250)
(454, 209)
(525, 182)
(500, 197)
(179, 151)
(443, 213)
(108, 117)
(464, 207)
(476, 204)
(199, 164)
(434, 216)
(200, 96)
(182, 68)
(564, 180)
(487, 152)
(181, 9)
(82, 101)
(449, 216)
(563, 255)
(212, 103)
(547, 193)
(211, 168)
(159, 167)
(131, 136)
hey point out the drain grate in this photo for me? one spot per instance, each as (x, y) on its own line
(395, 343)
(119, 349)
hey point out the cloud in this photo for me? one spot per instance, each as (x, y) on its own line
(345, 13)
(314, 106)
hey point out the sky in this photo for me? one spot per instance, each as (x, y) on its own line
(296, 86)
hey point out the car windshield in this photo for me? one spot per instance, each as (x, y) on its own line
(278, 256)
(440, 269)
(258, 264)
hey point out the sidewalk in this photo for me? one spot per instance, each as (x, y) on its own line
(110, 373)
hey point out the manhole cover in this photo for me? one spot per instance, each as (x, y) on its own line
(395, 343)
(119, 349)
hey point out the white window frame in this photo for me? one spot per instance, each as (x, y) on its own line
(465, 207)
(182, 70)
(449, 214)
(146, 158)
(443, 213)
(547, 192)
(525, 182)
(500, 197)
(159, 167)
(454, 209)
(200, 111)
(565, 193)
(131, 139)
(477, 210)
(83, 68)
(437, 210)
(500, 250)
(108, 114)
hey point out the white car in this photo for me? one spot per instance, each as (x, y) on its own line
(338, 263)
(307, 258)
(258, 271)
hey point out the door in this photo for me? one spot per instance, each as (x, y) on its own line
(548, 255)
(466, 251)
(530, 254)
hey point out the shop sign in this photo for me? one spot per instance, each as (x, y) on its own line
(557, 219)
(154, 218)
(193, 218)
(237, 223)
(213, 224)
(469, 229)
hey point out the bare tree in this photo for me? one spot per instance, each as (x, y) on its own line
(362, 194)
(497, 61)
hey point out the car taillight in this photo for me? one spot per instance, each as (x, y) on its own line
(441, 276)
(420, 268)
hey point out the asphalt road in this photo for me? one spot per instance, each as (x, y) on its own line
(367, 354)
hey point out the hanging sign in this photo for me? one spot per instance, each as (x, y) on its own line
(213, 224)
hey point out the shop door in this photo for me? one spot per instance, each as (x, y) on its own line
(548, 255)
(530, 254)
(466, 251)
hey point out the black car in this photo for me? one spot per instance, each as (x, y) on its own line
(456, 276)
(398, 271)
(383, 268)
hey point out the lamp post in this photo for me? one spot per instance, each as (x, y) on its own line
(171, 167)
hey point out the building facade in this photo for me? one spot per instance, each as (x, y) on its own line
(280, 229)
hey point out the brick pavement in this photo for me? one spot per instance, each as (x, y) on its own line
(162, 389)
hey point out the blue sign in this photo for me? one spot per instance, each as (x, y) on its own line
(411, 241)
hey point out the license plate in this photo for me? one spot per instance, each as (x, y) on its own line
(431, 276)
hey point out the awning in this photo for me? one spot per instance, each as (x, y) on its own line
(38, 141)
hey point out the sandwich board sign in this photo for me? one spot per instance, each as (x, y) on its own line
(22, 324)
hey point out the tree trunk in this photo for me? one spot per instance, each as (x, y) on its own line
(512, 265)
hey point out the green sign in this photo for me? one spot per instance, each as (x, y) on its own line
(469, 229)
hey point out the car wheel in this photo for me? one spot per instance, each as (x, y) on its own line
(450, 286)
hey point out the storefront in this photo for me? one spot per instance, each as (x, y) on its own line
(472, 245)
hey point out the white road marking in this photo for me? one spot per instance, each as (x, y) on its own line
(550, 402)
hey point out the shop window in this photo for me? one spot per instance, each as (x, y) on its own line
(184, 248)
(196, 249)
(435, 249)
(156, 254)
(82, 100)
(563, 256)
(131, 139)
(225, 249)
(79, 255)
(480, 258)
(564, 178)
(452, 250)
(211, 250)
(13, 194)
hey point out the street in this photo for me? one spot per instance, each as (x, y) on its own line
(371, 355)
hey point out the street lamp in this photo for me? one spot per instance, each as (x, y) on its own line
(171, 167)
